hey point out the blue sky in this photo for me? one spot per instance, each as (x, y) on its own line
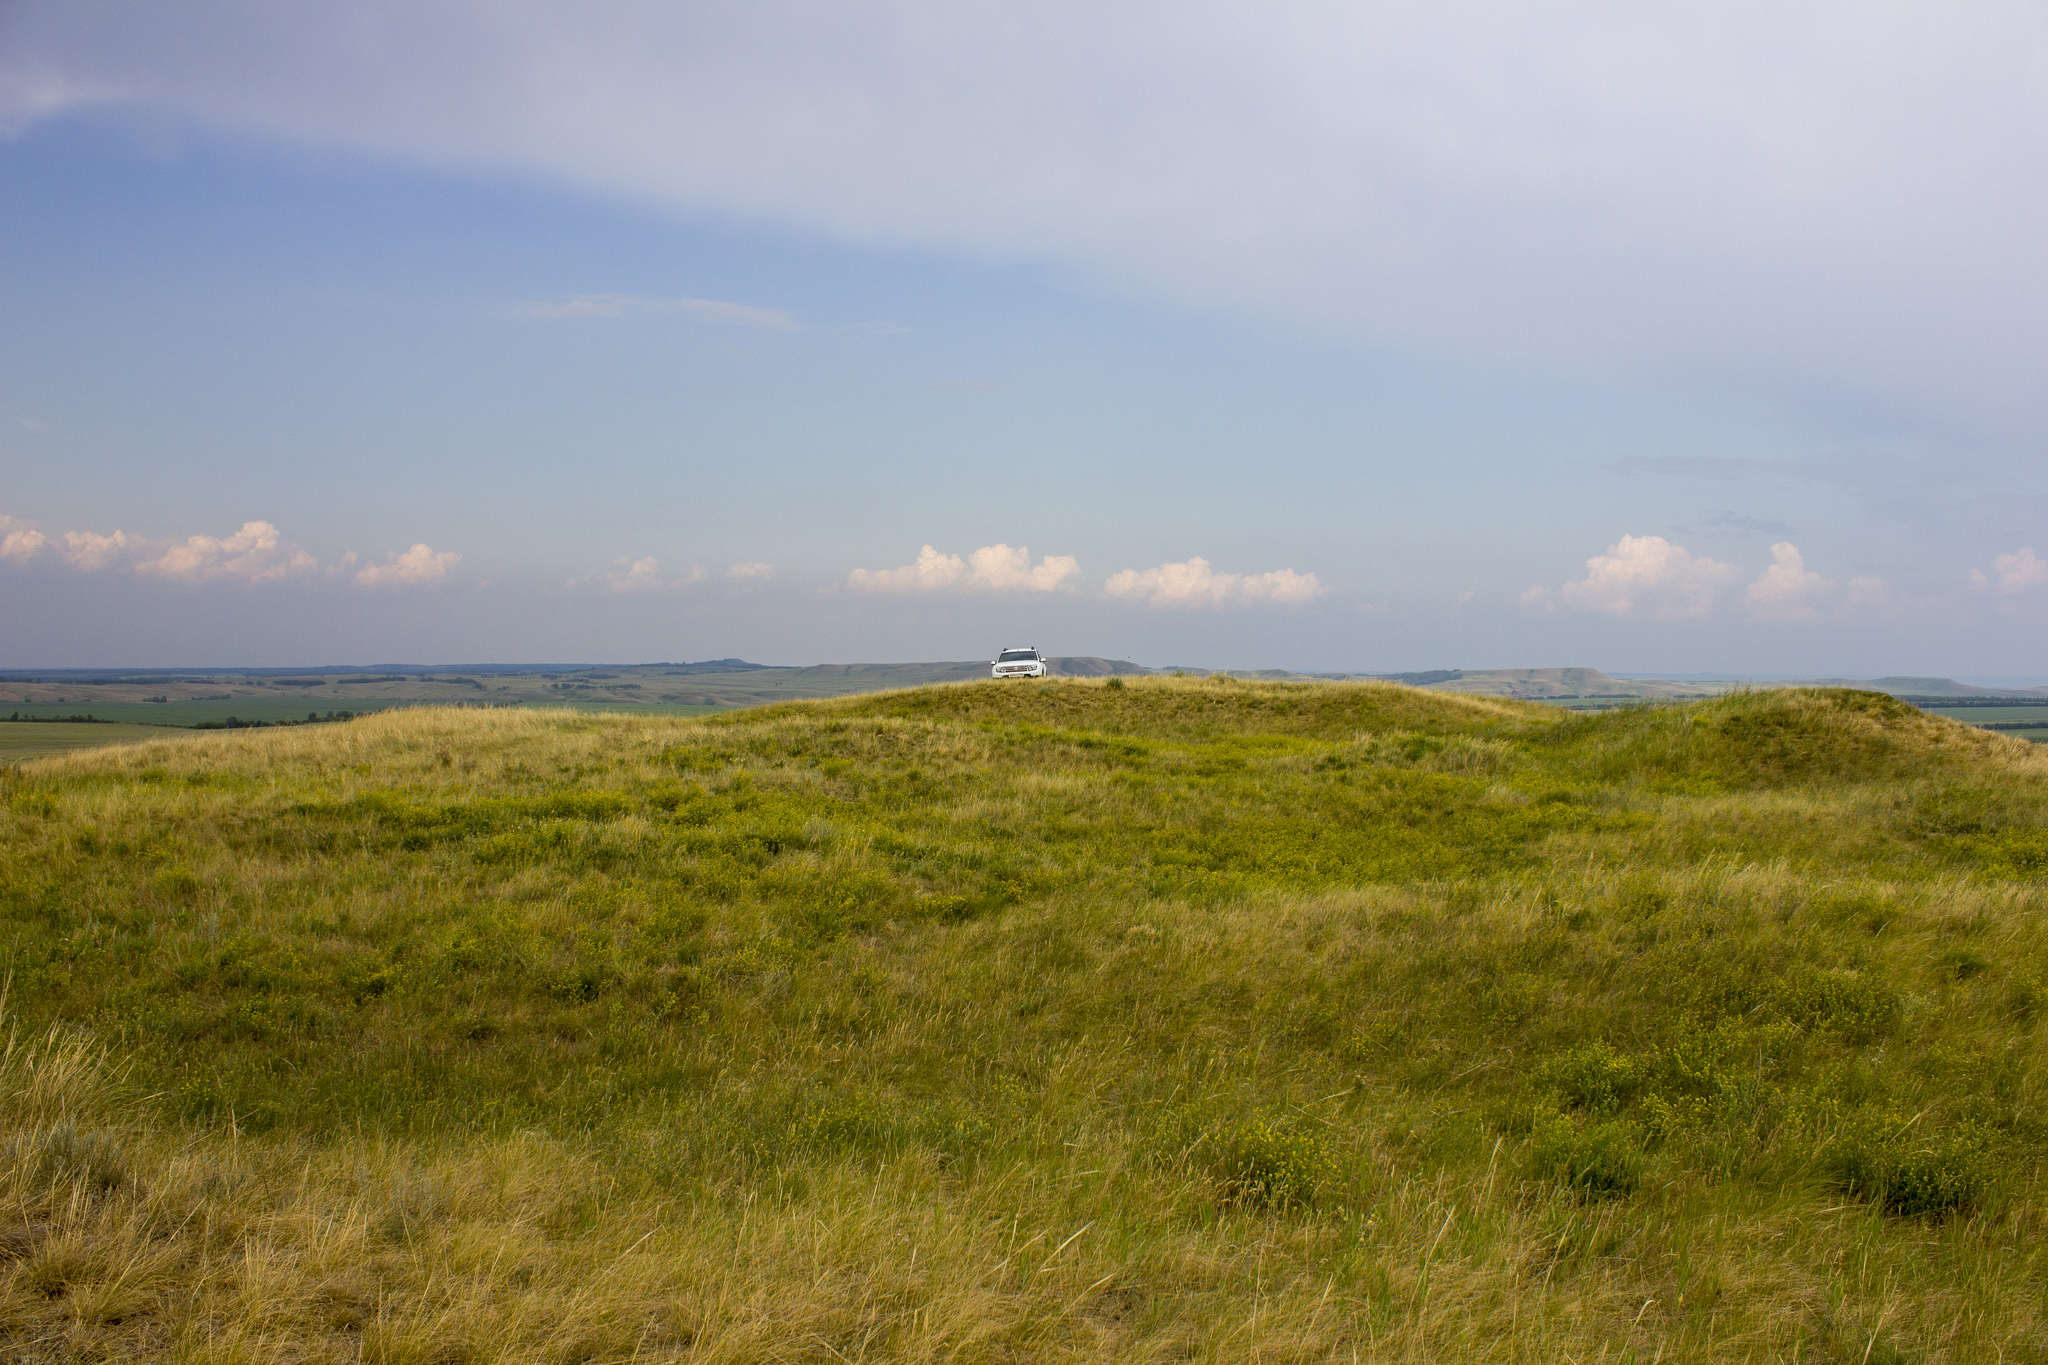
(1298, 336)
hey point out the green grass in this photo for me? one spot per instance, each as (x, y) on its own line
(1153, 1019)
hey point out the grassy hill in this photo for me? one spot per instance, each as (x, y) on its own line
(1134, 1019)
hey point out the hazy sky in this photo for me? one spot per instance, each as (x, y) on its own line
(1657, 338)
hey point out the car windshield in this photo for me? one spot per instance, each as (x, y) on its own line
(1018, 656)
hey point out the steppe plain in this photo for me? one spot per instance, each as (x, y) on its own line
(1133, 1018)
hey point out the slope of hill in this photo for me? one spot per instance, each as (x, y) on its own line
(1135, 1019)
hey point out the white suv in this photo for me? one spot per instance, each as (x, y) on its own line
(1020, 663)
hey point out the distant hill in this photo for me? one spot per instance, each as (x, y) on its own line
(1542, 683)
(1921, 687)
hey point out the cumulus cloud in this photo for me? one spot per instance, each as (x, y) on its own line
(1650, 576)
(418, 565)
(257, 553)
(638, 575)
(21, 545)
(618, 305)
(751, 573)
(1868, 594)
(2020, 571)
(1788, 590)
(254, 554)
(20, 541)
(992, 568)
(641, 575)
(1731, 188)
(89, 550)
(1646, 573)
(1194, 584)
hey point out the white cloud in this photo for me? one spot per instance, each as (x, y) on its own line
(1003, 569)
(641, 575)
(254, 554)
(933, 572)
(1869, 594)
(20, 541)
(992, 568)
(418, 565)
(750, 573)
(88, 550)
(1788, 590)
(1673, 190)
(1194, 584)
(618, 305)
(1650, 573)
(2020, 571)
(638, 575)
(21, 545)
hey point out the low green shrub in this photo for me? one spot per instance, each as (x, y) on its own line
(67, 1154)
(1960, 964)
(851, 1123)
(1909, 1171)
(1597, 1158)
(1838, 1001)
(1592, 1077)
(1265, 1163)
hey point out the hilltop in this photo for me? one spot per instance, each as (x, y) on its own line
(1138, 1019)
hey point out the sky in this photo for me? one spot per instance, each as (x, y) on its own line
(1678, 338)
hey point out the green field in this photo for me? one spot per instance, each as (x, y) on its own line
(188, 713)
(1151, 1020)
(688, 689)
(20, 740)
(2037, 734)
(2001, 715)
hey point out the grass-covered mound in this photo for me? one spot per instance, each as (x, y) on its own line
(1138, 1019)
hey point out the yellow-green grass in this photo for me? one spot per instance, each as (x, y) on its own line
(1143, 1020)
(33, 739)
